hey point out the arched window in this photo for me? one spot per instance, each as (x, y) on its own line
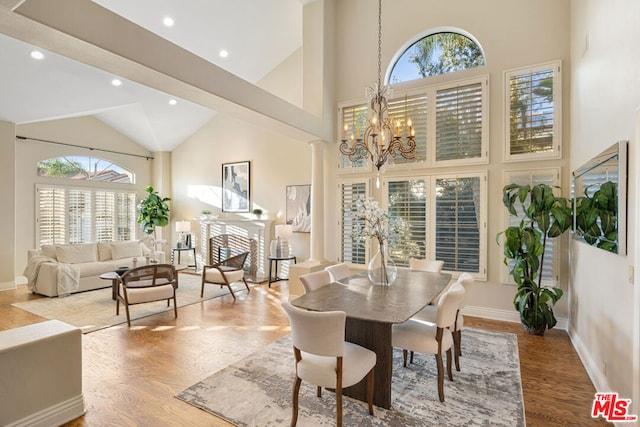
(437, 53)
(84, 169)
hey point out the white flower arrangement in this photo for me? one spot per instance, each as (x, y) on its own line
(375, 222)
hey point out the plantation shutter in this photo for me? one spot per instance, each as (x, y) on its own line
(407, 200)
(105, 216)
(355, 118)
(352, 251)
(550, 273)
(126, 216)
(457, 228)
(532, 111)
(459, 122)
(51, 216)
(80, 216)
(414, 107)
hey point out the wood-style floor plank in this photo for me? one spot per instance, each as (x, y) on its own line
(130, 376)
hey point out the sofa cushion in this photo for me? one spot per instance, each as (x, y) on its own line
(104, 251)
(96, 268)
(74, 254)
(129, 249)
(48, 250)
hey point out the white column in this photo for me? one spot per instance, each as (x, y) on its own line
(317, 201)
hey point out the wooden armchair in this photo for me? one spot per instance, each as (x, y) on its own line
(148, 283)
(225, 272)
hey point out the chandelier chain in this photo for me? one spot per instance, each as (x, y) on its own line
(379, 44)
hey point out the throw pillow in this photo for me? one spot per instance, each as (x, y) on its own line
(74, 254)
(104, 251)
(126, 249)
(48, 250)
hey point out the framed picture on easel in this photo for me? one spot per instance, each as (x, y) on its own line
(298, 206)
(236, 185)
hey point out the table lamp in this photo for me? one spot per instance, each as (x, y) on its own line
(184, 238)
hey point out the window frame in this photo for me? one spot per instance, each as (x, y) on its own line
(556, 152)
(93, 225)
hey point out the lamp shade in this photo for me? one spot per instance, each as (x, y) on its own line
(183, 226)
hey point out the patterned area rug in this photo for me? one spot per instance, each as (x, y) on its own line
(94, 310)
(487, 391)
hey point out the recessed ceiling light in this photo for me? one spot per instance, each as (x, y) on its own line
(36, 54)
(223, 53)
(116, 82)
(172, 102)
(168, 21)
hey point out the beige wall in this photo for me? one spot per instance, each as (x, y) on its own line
(83, 131)
(605, 68)
(508, 41)
(8, 209)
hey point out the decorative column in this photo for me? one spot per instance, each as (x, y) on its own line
(317, 201)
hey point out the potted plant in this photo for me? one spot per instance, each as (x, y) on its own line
(257, 212)
(546, 216)
(153, 211)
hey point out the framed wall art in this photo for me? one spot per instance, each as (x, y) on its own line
(298, 208)
(236, 184)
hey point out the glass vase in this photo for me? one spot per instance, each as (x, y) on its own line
(382, 270)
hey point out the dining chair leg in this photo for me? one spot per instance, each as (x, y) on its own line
(449, 373)
(404, 356)
(440, 366)
(296, 390)
(339, 406)
(459, 335)
(411, 359)
(456, 349)
(319, 391)
(370, 383)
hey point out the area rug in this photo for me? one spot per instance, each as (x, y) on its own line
(94, 310)
(487, 391)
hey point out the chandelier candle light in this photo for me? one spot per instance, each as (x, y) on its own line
(381, 138)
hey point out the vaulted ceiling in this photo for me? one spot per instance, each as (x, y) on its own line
(71, 79)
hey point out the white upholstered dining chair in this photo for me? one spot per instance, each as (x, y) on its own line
(338, 271)
(315, 280)
(428, 314)
(432, 265)
(422, 337)
(324, 358)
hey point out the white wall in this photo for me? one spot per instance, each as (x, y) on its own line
(83, 131)
(8, 210)
(605, 97)
(512, 33)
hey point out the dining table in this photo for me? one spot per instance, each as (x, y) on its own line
(371, 310)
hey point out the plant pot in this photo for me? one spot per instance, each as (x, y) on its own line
(535, 330)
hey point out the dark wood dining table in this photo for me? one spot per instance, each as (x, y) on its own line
(371, 310)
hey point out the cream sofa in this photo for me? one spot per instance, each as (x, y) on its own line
(56, 270)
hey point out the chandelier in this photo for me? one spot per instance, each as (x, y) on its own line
(381, 138)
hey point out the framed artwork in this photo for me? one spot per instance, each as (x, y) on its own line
(298, 213)
(236, 184)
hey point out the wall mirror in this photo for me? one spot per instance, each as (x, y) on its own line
(600, 200)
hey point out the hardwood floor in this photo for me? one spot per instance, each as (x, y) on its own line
(130, 376)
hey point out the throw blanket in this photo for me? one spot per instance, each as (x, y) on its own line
(33, 268)
(68, 276)
(68, 279)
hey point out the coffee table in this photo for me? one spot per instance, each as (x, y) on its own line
(115, 279)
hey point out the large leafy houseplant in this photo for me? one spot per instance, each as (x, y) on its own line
(544, 216)
(153, 211)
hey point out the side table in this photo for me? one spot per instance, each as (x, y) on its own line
(179, 250)
(275, 260)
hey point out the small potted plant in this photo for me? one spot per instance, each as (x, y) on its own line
(545, 217)
(257, 212)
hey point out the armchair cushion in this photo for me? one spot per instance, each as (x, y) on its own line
(214, 275)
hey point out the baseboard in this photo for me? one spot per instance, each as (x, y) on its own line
(505, 315)
(55, 415)
(596, 375)
(6, 286)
